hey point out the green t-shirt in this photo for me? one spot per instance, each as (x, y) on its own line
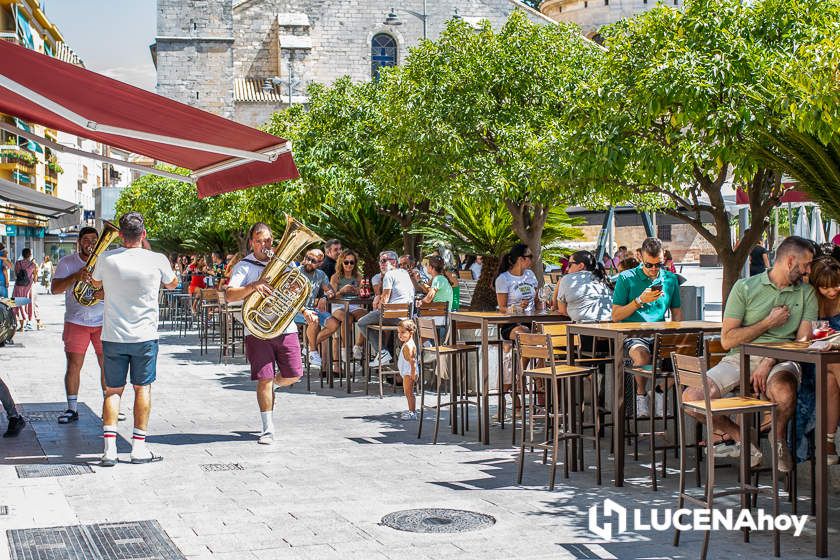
(752, 299)
(631, 283)
(443, 289)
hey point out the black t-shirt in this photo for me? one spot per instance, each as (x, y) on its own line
(328, 266)
(757, 260)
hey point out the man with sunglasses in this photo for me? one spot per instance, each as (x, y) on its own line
(314, 314)
(644, 294)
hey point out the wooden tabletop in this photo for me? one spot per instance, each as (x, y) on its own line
(661, 325)
(795, 346)
(350, 299)
(478, 316)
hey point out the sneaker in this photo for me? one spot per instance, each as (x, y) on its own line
(733, 450)
(357, 352)
(408, 415)
(266, 439)
(783, 457)
(642, 408)
(107, 461)
(315, 358)
(16, 424)
(659, 404)
(28, 327)
(68, 417)
(384, 358)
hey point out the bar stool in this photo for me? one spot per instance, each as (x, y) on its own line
(457, 375)
(208, 315)
(690, 371)
(392, 313)
(663, 346)
(560, 410)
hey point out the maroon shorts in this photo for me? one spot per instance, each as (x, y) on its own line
(283, 350)
(77, 338)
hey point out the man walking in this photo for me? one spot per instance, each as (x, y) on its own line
(644, 294)
(282, 350)
(82, 324)
(131, 277)
(774, 306)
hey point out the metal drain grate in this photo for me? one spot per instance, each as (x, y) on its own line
(41, 471)
(437, 520)
(221, 467)
(126, 540)
(53, 543)
(4, 510)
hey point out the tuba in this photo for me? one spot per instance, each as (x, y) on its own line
(83, 291)
(268, 316)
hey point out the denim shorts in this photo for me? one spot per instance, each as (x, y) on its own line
(322, 318)
(140, 358)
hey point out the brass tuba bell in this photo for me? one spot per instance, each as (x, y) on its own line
(268, 316)
(84, 291)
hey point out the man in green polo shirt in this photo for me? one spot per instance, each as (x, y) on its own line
(774, 306)
(643, 295)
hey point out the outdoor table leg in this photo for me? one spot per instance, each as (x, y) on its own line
(745, 438)
(618, 407)
(348, 344)
(821, 488)
(485, 381)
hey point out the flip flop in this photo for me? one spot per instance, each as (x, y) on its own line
(153, 459)
(718, 438)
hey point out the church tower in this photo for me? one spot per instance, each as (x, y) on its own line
(591, 15)
(193, 53)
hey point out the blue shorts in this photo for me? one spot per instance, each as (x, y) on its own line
(138, 357)
(4, 291)
(322, 318)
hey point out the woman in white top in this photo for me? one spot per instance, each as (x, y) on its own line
(584, 293)
(516, 291)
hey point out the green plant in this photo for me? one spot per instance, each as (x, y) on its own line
(19, 156)
(54, 167)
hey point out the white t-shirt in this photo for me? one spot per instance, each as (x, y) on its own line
(475, 268)
(518, 288)
(399, 282)
(244, 273)
(131, 279)
(75, 312)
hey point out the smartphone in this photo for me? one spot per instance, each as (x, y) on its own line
(656, 287)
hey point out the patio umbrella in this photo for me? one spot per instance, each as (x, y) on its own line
(832, 230)
(817, 227)
(802, 228)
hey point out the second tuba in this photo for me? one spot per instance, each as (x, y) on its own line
(84, 291)
(268, 316)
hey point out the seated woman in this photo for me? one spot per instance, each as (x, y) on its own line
(440, 290)
(346, 282)
(825, 278)
(585, 295)
(516, 292)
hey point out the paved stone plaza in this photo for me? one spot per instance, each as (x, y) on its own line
(339, 464)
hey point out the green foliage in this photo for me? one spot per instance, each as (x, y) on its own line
(20, 156)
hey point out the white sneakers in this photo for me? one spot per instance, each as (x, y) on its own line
(381, 359)
(314, 358)
(733, 450)
(643, 408)
(266, 439)
(357, 352)
(408, 415)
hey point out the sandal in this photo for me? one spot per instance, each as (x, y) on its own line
(152, 459)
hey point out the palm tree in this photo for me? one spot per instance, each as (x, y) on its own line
(487, 230)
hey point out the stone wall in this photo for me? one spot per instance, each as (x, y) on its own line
(591, 15)
(686, 245)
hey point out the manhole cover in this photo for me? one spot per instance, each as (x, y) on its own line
(55, 543)
(219, 467)
(41, 471)
(437, 520)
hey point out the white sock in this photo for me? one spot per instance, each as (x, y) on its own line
(138, 443)
(109, 434)
(267, 422)
(73, 402)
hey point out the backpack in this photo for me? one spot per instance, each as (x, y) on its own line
(21, 277)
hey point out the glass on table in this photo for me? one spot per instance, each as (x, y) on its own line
(820, 329)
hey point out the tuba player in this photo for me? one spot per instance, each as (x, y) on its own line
(284, 349)
(82, 324)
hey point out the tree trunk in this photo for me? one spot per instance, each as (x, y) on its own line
(484, 296)
(528, 224)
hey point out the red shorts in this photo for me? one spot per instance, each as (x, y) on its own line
(283, 350)
(77, 338)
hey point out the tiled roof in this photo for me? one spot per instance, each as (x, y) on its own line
(249, 90)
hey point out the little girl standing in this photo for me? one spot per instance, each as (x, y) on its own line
(407, 365)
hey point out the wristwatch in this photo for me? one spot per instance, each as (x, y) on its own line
(639, 302)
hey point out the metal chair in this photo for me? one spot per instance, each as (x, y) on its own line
(561, 411)
(690, 371)
(389, 316)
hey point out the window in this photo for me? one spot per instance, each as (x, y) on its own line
(663, 232)
(383, 52)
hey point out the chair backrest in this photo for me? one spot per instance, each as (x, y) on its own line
(535, 346)
(664, 344)
(465, 274)
(714, 352)
(396, 311)
(427, 330)
(434, 309)
(209, 294)
(690, 371)
(559, 336)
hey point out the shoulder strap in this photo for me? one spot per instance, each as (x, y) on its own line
(255, 262)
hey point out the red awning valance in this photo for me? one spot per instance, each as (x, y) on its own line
(791, 195)
(222, 155)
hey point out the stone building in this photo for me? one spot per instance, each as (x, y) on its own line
(591, 15)
(245, 59)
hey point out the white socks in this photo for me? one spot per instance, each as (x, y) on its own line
(267, 422)
(138, 444)
(109, 434)
(72, 402)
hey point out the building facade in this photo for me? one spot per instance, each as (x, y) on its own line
(591, 15)
(246, 59)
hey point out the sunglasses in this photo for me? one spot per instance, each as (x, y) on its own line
(310, 259)
(349, 262)
(383, 261)
(654, 265)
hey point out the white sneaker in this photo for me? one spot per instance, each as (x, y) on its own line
(357, 352)
(314, 358)
(383, 358)
(642, 408)
(733, 450)
(266, 439)
(408, 415)
(659, 404)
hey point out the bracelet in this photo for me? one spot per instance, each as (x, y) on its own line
(639, 302)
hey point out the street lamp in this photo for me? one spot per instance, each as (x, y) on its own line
(270, 83)
(394, 20)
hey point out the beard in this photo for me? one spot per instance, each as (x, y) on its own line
(795, 276)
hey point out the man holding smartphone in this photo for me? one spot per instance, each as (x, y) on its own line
(644, 294)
